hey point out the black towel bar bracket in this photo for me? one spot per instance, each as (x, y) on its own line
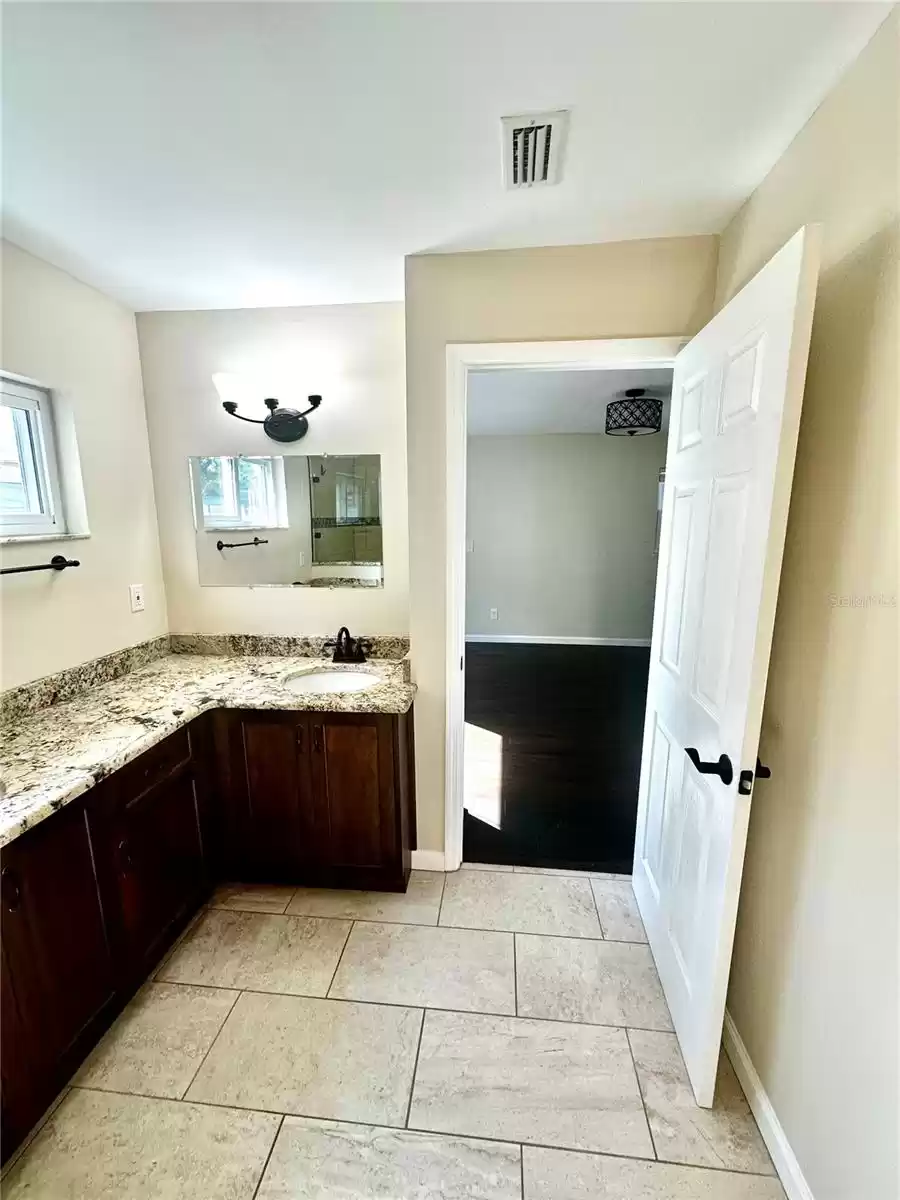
(58, 562)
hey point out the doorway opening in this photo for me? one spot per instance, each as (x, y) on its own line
(562, 528)
(552, 549)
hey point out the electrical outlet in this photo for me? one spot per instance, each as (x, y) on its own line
(136, 592)
(495, 615)
(470, 545)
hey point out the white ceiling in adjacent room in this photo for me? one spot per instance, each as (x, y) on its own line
(514, 401)
(204, 155)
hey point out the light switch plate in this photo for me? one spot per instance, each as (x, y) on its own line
(136, 592)
(494, 614)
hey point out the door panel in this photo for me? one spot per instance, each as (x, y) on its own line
(282, 811)
(54, 935)
(725, 547)
(20, 1072)
(736, 397)
(353, 763)
(673, 619)
(742, 382)
(354, 801)
(159, 864)
(661, 753)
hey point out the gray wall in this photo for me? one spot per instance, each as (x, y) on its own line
(561, 530)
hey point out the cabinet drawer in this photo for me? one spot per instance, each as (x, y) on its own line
(154, 765)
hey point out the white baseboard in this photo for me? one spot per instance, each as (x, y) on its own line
(773, 1135)
(549, 640)
(428, 860)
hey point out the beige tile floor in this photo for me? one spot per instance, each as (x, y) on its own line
(492, 1035)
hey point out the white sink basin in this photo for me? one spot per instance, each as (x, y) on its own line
(323, 680)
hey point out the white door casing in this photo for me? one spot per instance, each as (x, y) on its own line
(595, 354)
(736, 398)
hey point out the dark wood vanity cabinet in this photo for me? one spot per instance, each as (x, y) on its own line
(145, 825)
(58, 975)
(318, 798)
(94, 895)
(89, 900)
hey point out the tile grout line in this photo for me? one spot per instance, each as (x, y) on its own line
(545, 872)
(572, 937)
(338, 963)
(441, 903)
(450, 1133)
(522, 1170)
(179, 983)
(597, 911)
(412, 1081)
(211, 1044)
(462, 1012)
(515, 979)
(265, 1165)
(459, 1012)
(640, 1089)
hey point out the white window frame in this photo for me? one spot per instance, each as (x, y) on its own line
(43, 462)
(221, 525)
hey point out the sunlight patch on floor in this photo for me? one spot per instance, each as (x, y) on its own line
(484, 775)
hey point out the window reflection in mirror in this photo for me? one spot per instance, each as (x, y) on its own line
(246, 493)
(288, 520)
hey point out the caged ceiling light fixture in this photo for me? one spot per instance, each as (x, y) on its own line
(636, 414)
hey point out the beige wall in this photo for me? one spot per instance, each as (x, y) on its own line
(814, 978)
(70, 338)
(562, 530)
(352, 355)
(653, 288)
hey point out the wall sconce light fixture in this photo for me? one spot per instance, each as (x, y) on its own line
(282, 424)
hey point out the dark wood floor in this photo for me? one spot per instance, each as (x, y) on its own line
(567, 724)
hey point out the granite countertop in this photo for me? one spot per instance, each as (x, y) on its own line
(54, 755)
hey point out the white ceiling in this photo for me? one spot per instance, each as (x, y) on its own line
(528, 402)
(205, 155)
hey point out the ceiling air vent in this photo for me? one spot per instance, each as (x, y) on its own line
(532, 148)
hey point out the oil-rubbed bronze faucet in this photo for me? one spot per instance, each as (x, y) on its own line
(348, 649)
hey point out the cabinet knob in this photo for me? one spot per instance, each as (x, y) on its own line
(317, 738)
(10, 889)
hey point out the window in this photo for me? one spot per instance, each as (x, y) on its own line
(29, 475)
(240, 493)
(348, 497)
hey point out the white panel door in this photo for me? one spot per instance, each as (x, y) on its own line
(736, 397)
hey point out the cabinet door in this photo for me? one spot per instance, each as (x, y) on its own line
(20, 1072)
(282, 819)
(54, 937)
(158, 859)
(354, 774)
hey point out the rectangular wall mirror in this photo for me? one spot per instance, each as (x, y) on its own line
(288, 520)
